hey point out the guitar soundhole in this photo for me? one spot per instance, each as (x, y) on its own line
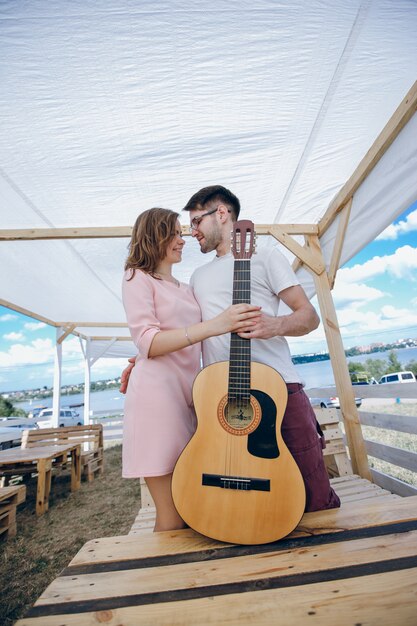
(239, 416)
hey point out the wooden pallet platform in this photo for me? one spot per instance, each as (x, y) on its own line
(353, 565)
(349, 488)
(10, 498)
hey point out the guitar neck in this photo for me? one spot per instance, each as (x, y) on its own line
(240, 349)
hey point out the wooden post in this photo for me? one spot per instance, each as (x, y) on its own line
(76, 468)
(56, 398)
(43, 466)
(344, 389)
(87, 381)
(338, 244)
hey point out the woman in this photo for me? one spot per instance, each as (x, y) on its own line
(165, 323)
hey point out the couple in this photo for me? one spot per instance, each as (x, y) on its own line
(164, 318)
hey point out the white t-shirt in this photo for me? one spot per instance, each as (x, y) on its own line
(213, 287)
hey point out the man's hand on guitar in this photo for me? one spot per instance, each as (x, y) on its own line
(237, 318)
(265, 328)
(124, 379)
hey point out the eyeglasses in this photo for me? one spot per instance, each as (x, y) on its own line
(195, 223)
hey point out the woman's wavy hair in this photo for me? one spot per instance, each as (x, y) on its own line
(152, 232)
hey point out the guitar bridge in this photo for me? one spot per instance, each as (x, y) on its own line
(236, 482)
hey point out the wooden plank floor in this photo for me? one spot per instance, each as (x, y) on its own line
(348, 566)
(349, 488)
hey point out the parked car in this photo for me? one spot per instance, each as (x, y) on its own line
(362, 378)
(331, 403)
(67, 417)
(11, 429)
(35, 412)
(398, 377)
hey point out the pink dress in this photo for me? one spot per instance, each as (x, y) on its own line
(159, 416)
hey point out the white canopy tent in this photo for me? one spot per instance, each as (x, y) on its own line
(110, 108)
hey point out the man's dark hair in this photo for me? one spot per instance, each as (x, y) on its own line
(212, 194)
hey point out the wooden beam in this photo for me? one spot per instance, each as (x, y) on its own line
(396, 123)
(297, 263)
(107, 337)
(307, 256)
(19, 309)
(100, 338)
(65, 233)
(344, 389)
(65, 334)
(390, 454)
(390, 421)
(290, 229)
(114, 232)
(338, 244)
(393, 484)
(94, 324)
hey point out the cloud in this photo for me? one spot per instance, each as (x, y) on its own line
(403, 227)
(38, 352)
(401, 264)
(360, 327)
(347, 294)
(7, 317)
(34, 325)
(13, 336)
(389, 312)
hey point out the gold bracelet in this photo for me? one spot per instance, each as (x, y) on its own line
(187, 337)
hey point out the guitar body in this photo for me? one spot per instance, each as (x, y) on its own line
(236, 480)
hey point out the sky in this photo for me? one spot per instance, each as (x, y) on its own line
(375, 296)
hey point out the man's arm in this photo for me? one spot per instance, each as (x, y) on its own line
(124, 379)
(301, 321)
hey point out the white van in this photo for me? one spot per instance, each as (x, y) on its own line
(67, 417)
(398, 377)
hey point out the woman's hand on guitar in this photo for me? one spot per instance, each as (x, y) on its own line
(124, 379)
(238, 317)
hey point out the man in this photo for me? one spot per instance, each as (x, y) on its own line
(212, 213)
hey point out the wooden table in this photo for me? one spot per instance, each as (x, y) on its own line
(40, 460)
(344, 567)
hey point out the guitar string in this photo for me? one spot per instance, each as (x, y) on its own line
(241, 375)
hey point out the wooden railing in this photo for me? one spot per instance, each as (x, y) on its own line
(405, 459)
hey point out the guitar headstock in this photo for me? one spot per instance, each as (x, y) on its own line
(243, 237)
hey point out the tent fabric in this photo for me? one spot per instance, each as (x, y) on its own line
(110, 108)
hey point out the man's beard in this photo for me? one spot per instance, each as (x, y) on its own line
(211, 241)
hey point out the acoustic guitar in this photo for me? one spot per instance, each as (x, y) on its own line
(236, 480)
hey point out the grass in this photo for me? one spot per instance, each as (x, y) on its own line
(393, 438)
(45, 545)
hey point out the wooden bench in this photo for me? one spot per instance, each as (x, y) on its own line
(335, 452)
(10, 497)
(90, 436)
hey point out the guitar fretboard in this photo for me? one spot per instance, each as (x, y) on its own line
(240, 349)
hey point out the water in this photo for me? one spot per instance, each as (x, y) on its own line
(317, 374)
(108, 400)
(320, 373)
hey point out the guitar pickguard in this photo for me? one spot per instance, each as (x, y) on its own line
(263, 441)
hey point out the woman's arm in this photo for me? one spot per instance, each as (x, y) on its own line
(236, 318)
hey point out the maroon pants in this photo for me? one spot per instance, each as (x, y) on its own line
(301, 434)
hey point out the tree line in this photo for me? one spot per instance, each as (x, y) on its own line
(379, 367)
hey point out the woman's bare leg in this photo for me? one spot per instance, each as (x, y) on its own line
(167, 517)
